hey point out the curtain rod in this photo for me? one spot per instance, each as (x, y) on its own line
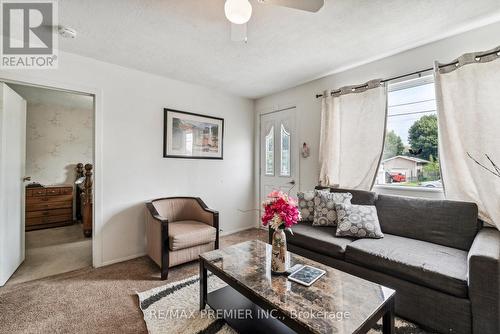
(413, 73)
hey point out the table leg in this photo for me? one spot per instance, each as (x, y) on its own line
(388, 319)
(203, 285)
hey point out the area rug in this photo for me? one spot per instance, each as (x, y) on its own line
(173, 309)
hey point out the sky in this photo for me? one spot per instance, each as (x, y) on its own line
(407, 106)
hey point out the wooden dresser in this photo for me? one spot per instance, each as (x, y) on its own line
(49, 207)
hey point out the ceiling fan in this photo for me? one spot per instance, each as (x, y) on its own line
(238, 12)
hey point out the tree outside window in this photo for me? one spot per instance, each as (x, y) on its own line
(410, 156)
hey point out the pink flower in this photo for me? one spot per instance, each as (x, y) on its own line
(280, 209)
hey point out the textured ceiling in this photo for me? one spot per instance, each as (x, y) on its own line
(189, 40)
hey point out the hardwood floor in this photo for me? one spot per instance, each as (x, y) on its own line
(91, 300)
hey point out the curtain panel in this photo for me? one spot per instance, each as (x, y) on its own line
(353, 123)
(468, 101)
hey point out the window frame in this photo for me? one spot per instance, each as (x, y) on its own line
(419, 191)
(287, 133)
(272, 136)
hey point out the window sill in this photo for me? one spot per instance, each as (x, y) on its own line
(422, 192)
(409, 189)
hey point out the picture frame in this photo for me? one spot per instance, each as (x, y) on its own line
(188, 135)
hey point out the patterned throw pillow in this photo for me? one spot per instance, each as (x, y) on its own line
(359, 221)
(306, 204)
(324, 207)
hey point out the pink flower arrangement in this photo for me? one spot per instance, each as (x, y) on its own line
(280, 211)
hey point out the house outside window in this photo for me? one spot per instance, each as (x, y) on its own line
(410, 157)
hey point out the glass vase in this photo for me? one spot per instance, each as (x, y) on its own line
(278, 257)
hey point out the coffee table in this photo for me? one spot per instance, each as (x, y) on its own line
(254, 301)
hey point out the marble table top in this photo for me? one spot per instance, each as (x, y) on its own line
(336, 303)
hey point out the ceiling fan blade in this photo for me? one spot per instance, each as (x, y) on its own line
(307, 5)
(239, 32)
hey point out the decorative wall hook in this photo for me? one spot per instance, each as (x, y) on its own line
(305, 150)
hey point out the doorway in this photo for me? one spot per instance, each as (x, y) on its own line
(56, 138)
(279, 152)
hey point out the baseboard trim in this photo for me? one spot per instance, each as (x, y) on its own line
(134, 256)
(237, 230)
(122, 259)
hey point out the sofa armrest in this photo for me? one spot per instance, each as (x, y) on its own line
(484, 281)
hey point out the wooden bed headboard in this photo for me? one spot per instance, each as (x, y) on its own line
(84, 193)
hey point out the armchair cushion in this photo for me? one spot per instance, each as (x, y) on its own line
(188, 233)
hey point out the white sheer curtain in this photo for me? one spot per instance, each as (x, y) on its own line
(352, 135)
(468, 98)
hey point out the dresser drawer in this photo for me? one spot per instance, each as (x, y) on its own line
(48, 220)
(52, 191)
(66, 191)
(48, 198)
(48, 213)
(35, 192)
(49, 206)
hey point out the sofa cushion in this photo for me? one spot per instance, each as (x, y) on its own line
(188, 233)
(318, 239)
(447, 223)
(358, 221)
(324, 207)
(434, 266)
(359, 197)
(306, 204)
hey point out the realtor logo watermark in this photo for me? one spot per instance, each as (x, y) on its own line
(29, 36)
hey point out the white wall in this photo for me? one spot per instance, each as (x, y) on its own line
(129, 133)
(309, 108)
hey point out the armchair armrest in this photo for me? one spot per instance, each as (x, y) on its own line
(214, 218)
(154, 213)
(157, 238)
(205, 208)
(484, 281)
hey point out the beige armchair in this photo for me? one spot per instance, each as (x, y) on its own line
(178, 230)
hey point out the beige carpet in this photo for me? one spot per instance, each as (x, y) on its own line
(53, 251)
(90, 300)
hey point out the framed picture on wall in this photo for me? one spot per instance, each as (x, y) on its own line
(192, 136)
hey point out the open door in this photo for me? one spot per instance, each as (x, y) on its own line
(12, 169)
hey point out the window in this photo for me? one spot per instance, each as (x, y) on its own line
(411, 144)
(189, 142)
(270, 152)
(285, 152)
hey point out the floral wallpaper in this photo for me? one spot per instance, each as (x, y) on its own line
(57, 138)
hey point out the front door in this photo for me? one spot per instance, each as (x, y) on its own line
(12, 168)
(279, 153)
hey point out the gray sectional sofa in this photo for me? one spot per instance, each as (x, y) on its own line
(444, 265)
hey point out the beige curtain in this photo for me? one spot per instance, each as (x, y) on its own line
(468, 98)
(352, 135)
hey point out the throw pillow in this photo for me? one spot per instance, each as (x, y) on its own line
(306, 204)
(324, 207)
(359, 221)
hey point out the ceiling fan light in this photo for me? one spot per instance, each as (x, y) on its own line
(238, 11)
